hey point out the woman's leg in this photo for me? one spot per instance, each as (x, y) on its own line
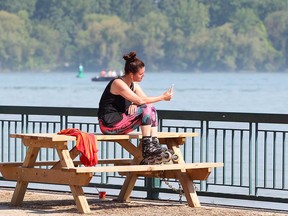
(145, 117)
(149, 130)
(154, 129)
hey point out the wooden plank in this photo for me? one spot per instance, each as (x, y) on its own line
(143, 168)
(22, 185)
(19, 193)
(45, 176)
(44, 136)
(73, 154)
(178, 140)
(65, 158)
(100, 137)
(199, 174)
(124, 161)
(36, 164)
(194, 174)
(31, 156)
(189, 189)
(136, 135)
(126, 190)
(131, 148)
(45, 143)
(80, 199)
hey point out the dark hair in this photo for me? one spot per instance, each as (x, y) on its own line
(133, 64)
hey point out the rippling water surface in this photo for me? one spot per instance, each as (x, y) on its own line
(229, 92)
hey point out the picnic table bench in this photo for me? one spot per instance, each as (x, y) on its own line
(68, 172)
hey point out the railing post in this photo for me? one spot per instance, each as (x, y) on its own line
(202, 159)
(151, 184)
(207, 147)
(256, 157)
(2, 141)
(252, 132)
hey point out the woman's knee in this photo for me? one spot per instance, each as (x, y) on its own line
(149, 114)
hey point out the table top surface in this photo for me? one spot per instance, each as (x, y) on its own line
(101, 137)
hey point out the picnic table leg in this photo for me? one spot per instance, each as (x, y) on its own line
(21, 186)
(126, 190)
(130, 180)
(182, 176)
(19, 193)
(80, 199)
(189, 189)
(77, 191)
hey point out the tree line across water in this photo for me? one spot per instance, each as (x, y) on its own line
(173, 35)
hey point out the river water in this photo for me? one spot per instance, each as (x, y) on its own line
(224, 92)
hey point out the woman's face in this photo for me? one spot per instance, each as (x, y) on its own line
(139, 75)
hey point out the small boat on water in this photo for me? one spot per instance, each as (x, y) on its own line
(104, 78)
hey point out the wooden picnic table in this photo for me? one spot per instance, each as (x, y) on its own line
(66, 170)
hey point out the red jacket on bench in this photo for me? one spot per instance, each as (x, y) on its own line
(86, 143)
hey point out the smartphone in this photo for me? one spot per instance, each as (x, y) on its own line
(172, 88)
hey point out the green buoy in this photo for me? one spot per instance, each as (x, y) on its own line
(80, 71)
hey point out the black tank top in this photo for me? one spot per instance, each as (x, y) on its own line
(112, 106)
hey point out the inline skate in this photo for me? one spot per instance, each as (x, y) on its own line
(154, 153)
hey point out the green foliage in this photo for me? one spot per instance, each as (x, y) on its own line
(192, 35)
(46, 47)
(214, 50)
(151, 31)
(189, 16)
(244, 21)
(277, 28)
(14, 6)
(13, 41)
(99, 43)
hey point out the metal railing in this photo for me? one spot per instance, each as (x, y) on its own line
(252, 146)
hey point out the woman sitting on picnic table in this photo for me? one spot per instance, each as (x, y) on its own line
(124, 106)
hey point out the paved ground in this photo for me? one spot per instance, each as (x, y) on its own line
(62, 204)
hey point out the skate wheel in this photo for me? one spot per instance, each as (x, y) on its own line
(175, 158)
(167, 155)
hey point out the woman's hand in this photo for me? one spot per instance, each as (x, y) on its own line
(132, 109)
(168, 94)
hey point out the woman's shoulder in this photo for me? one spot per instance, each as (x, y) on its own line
(117, 84)
(117, 80)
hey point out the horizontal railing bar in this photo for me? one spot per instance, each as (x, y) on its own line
(272, 131)
(223, 116)
(228, 129)
(162, 114)
(34, 110)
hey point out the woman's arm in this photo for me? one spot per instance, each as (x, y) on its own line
(139, 91)
(119, 87)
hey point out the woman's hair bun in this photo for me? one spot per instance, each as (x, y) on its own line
(130, 57)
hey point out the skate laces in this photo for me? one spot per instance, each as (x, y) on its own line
(157, 144)
(149, 148)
